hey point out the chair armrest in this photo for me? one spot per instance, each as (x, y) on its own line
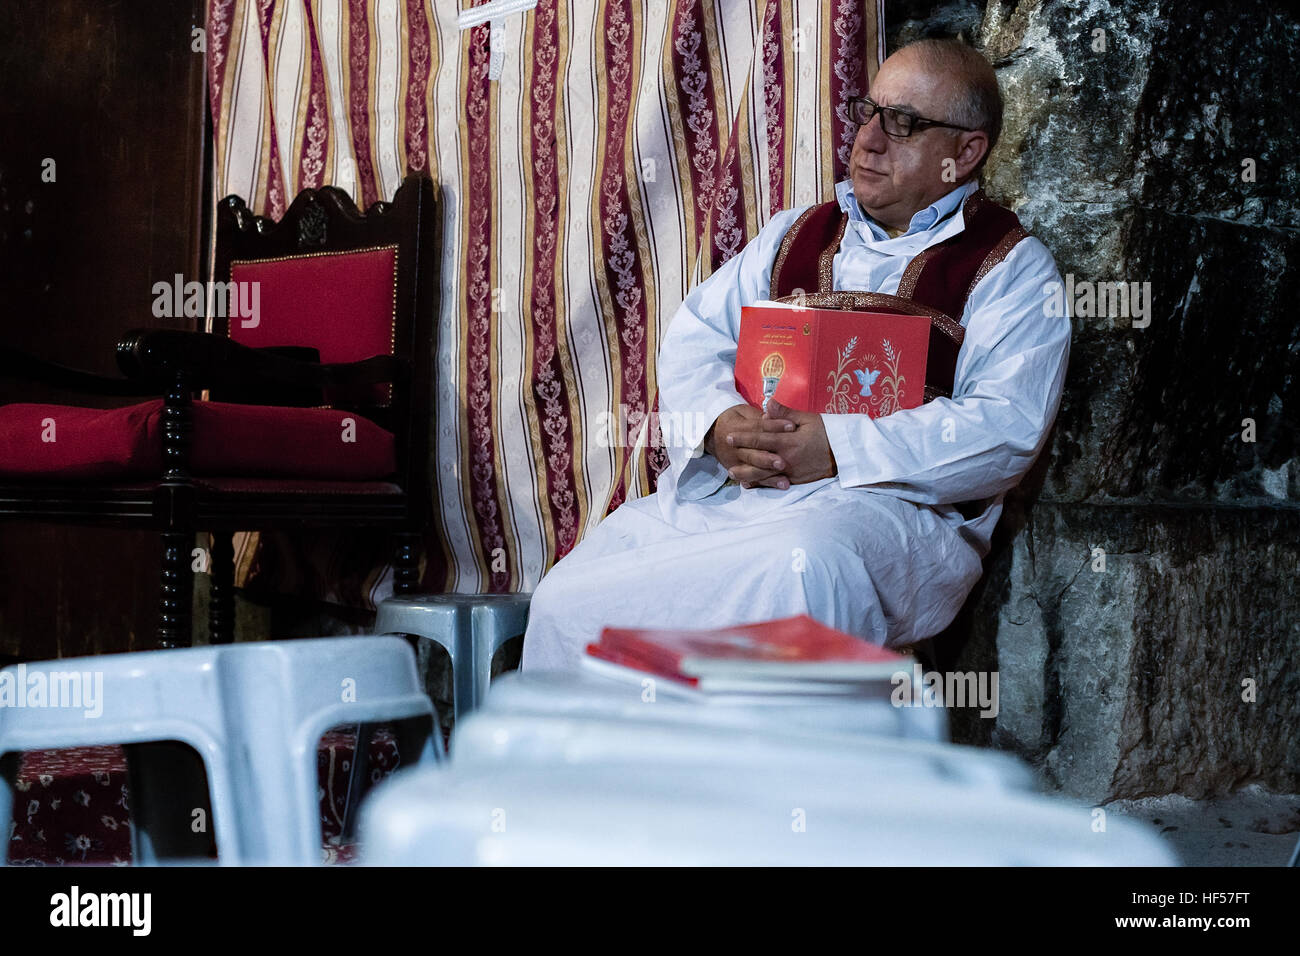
(26, 367)
(207, 361)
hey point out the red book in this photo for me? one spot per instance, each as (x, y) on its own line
(794, 648)
(831, 360)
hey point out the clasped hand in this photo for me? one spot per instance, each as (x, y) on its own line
(776, 449)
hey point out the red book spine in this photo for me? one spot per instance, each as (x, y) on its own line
(651, 665)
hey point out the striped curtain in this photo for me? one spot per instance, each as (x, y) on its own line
(595, 160)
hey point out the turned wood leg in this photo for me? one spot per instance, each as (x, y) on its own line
(177, 590)
(406, 562)
(221, 602)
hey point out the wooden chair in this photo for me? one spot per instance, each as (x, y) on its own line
(318, 410)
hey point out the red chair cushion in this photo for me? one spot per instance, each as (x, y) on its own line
(341, 303)
(68, 443)
(65, 442)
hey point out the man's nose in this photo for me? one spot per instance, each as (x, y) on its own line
(871, 137)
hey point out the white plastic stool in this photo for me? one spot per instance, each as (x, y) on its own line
(471, 627)
(665, 813)
(581, 693)
(550, 740)
(255, 714)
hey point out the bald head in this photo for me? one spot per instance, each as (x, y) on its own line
(951, 86)
(976, 101)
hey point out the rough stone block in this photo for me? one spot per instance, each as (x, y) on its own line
(1138, 680)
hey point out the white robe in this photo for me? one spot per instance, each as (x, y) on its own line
(879, 550)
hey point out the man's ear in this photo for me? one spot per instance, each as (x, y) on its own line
(972, 147)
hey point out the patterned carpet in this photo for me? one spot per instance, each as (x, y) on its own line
(73, 806)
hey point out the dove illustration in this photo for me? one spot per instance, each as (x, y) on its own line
(866, 378)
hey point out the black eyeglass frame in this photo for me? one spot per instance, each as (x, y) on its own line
(915, 124)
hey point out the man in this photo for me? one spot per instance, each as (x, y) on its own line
(877, 527)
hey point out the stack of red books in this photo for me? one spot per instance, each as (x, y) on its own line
(791, 655)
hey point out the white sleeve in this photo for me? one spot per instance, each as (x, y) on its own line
(697, 361)
(1009, 376)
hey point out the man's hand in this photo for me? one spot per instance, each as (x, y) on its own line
(780, 448)
(746, 465)
(776, 449)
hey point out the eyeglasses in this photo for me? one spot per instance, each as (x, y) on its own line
(860, 109)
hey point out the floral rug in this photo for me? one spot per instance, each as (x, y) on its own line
(73, 806)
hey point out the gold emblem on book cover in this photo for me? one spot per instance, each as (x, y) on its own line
(772, 369)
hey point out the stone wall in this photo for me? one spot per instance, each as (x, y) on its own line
(1125, 151)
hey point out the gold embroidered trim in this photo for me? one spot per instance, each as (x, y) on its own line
(997, 254)
(787, 241)
(826, 262)
(866, 301)
(907, 284)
